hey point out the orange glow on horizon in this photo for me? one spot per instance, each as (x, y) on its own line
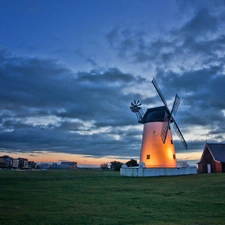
(189, 155)
(50, 157)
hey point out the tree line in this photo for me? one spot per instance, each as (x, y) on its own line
(116, 165)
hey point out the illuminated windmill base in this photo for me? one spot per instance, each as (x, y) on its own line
(154, 153)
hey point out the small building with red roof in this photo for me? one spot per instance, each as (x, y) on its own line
(212, 159)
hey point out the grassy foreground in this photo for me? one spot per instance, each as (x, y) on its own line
(104, 198)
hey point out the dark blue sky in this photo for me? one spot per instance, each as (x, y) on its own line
(69, 70)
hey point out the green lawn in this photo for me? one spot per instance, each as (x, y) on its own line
(104, 197)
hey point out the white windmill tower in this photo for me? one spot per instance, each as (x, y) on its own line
(158, 149)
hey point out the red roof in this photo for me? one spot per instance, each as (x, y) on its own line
(217, 150)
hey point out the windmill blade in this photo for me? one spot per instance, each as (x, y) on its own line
(176, 104)
(159, 92)
(179, 134)
(165, 127)
(134, 109)
(135, 106)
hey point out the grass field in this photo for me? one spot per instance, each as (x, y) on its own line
(104, 197)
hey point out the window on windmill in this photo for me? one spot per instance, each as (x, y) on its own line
(148, 156)
(174, 157)
(171, 142)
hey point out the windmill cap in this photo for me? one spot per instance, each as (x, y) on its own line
(155, 114)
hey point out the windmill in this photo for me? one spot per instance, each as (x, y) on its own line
(157, 148)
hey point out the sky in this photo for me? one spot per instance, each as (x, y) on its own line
(70, 69)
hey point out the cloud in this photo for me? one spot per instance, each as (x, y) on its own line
(191, 45)
(188, 60)
(45, 106)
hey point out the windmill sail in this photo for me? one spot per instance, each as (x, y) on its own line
(159, 92)
(165, 128)
(179, 134)
(168, 118)
(176, 104)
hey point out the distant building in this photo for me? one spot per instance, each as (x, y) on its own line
(54, 165)
(31, 165)
(6, 161)
(63, 166)
(23, 163)
(1, 161)
(212, 159)
(15, 163)
(69, 165)
(44, 166)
